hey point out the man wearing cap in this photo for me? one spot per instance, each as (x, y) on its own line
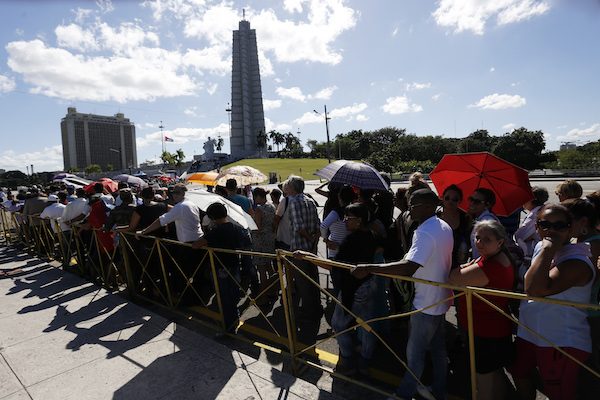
(429, 258)
(184, 213)
(55, 210)
(232, 194)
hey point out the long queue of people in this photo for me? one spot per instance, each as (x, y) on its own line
(553, 252)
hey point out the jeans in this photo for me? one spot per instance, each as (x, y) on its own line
(230, 297)
(369, 302)
(426, 333)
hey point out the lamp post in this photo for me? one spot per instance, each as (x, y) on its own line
(327, 131)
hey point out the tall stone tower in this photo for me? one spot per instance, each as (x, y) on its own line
(247, 114)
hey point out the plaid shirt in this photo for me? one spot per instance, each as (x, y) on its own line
(303, 216)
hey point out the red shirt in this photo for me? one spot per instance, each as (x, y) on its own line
(487, 322)
(97, 219)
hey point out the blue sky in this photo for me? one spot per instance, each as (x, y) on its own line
(432, 67)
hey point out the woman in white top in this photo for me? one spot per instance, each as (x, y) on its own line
(559, 270)
(526, 237)
(333, 228)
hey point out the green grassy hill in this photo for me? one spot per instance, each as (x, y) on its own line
(284, 167)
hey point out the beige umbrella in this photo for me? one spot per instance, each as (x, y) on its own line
(243, 175)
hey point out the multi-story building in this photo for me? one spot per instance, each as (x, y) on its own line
(97, 139)
(247, 114)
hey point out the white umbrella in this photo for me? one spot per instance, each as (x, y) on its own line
(243, 175)
(203, 199)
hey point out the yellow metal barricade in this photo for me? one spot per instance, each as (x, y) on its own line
(188, 281)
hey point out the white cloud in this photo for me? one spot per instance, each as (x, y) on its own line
(515, 84)
(472, 15)
(212, 89)
(19, 32)
(48, 159)
(215, 59)
(55, 72)
(499, 102)
(362, 118)
(347, 111)
(509, 127)
(593, 132)
(7, 84)
(395, 32)
(125, 38)
(271, 104)
(343, 112)
(436, 96)
(105, 6)
(492, 69)
(271, 126)
(400, 105)
(184, 135)
(324, 94)
(295, 93)
(293, 6)
(72, 36)
(309, 39)
(81, 14)
(417, 86)
(309, 118)
(191, 111)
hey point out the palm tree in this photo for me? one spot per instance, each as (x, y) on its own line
(261, 142)
(278, 139)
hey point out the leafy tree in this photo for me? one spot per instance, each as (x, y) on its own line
(480, 140)
(92, 169)
(572, 159)
(521, 147)
(168, 158)
(13, 178)
(109, 167)
(293, 147)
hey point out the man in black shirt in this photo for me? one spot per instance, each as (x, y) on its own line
(226, 235)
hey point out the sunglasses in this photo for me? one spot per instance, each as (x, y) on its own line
(475, 200)
(453, 199)
(555, 226)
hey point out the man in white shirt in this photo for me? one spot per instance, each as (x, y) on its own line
(186, 216)
(55, 210)
(74, 212)
(429, 258)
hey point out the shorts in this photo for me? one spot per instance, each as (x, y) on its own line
(558, 372)
(491, 354)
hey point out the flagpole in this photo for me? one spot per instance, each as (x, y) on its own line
(162, 138)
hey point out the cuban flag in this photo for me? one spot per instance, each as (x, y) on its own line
(168, 139)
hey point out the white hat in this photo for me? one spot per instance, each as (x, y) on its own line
(53, 197)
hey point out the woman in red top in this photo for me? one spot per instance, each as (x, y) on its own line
(493, 332)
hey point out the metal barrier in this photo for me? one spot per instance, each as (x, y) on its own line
(199, 282)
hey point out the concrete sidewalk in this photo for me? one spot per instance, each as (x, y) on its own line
(63, 338)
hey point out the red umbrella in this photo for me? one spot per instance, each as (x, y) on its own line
(470, 171)
(110, 186)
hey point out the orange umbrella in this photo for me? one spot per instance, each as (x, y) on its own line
(202, 178)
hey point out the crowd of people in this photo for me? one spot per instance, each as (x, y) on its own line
(553, 252)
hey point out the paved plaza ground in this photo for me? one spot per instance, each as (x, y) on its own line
(62, 337)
